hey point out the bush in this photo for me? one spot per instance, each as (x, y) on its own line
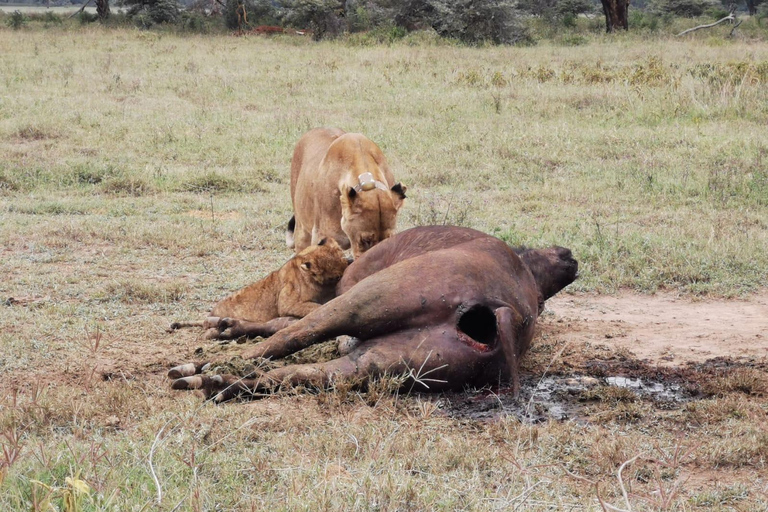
(17, 20)
(573, 7)
(543, 8)
(85, 17)
(164, 11)
(258, 12)
(193, 22)
(471, 21)
(639, 19)
(325, 18)
(684, 8)
(51, 18)
(146, 13)
(368, 16)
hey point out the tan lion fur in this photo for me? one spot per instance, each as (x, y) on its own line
(324, 171)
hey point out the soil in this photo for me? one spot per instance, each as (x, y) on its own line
(666, 329)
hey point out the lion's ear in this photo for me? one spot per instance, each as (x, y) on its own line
(322, 241)
(399, 189)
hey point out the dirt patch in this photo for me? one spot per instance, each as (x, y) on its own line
(664, 329)
(220, 215)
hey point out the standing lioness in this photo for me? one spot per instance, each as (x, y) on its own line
(341, 188)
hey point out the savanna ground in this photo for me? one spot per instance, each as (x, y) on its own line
(144, 175)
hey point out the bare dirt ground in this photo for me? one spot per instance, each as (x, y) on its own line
(666, 329)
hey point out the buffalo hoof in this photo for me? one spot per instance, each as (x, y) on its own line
(187, 370)
(217, 388)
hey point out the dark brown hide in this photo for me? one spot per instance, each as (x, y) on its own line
(448, 306)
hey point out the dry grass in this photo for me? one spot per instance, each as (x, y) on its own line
(144, 175)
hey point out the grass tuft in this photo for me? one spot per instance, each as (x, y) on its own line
(132, 291)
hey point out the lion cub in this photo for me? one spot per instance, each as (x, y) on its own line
(302, 285)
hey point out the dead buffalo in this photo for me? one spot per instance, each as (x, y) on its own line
(448, 306)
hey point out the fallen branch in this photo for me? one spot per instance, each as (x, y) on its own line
(735, 27)
(730, 17)
(80, 9)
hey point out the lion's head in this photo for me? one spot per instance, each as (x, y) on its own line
(368, 217)
(324, 263)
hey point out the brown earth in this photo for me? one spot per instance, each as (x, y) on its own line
(664, 329)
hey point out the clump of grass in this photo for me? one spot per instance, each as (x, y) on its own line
(92, 174)
(608, 394)
(34, 132)
(215, 182)
(721, 496)
(8, 183)
(128, 186)
(49, 208)
(748, 381)
(134, 291)
(16, 20)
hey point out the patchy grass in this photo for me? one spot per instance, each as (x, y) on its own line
(144, 175)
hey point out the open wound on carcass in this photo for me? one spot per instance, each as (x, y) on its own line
(477, 328)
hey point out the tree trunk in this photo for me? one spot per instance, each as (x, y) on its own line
(102, 9)
(751, 7)
(616, 13)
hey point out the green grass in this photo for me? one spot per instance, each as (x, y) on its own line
(144, 175)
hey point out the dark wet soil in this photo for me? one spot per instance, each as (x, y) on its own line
(573, 396)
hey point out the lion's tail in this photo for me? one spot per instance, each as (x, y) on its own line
(289, 232)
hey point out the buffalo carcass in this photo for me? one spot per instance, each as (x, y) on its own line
(448, 306)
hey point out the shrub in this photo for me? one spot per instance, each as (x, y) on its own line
(51, 18)
(471, 21)
(146, 13)
(85, 17)
(258, 12)
(325, 18)
(17, 20)
(164, 11)
(573, 7)
(639, 19)
(684, 8)
(368, 16)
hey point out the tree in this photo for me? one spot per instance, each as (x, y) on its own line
(684, 8)
(616, 14)
(102, 9)
(472, 21)
(148, 12)
(752, 6)
(325, 18)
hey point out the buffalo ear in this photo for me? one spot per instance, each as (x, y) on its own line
(306, 265)
(322, 241)
(399, 189)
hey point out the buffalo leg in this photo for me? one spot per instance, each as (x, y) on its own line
(362, 364)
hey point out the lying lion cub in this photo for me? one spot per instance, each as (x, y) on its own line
(341, 188)
(302, 285)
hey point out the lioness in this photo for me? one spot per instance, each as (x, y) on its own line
(341, 188)
(302, 285)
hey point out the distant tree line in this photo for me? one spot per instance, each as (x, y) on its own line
(471, 21)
